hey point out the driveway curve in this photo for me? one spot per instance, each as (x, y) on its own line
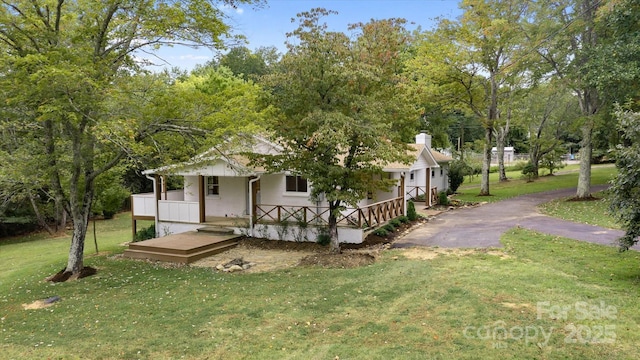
(482, 226)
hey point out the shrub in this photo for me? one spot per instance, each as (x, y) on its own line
(395, 222)
(517, 166)
(389, 228)
(403, 219)
(529, 172)
(381, 232)
(552, 161)
(411, 211)
(457, 170)
(145, 233)
(443, 199)
(323, 238)
(110, 200)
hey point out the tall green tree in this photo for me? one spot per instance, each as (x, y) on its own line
(467, 63)
(625, 188)
(564, 34)
(343, 109)
(250, 65)
(547, 114)
(614, 69)
(66, 62)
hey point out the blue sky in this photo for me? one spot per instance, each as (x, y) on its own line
(268, 25)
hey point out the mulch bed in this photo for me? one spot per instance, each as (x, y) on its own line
(352, 255)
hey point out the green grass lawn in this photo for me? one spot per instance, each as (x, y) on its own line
(594, 212)
(447, 307)
(566, 178)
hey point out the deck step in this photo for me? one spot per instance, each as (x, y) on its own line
(216, 230)
(186, 250)
(177, 257)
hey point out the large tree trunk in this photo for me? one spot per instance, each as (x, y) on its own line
(586, 148)
(333, 227)
(486, 162)
(500, 142)
(534, 158)
(76, 252)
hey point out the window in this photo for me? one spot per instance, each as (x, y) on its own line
(213, 185)
(433, 173)
(441, 171)
(411, 175)
(296, 184)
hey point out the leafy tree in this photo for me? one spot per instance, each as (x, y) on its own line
(68, 73)
(248, 64)
(625, 188)
(613, 67)
(553, 159)
(457, 171)
(564, 34)
(469, 62)
(343, 106)
(546, 114)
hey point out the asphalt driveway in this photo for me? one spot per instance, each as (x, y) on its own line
(483, 226)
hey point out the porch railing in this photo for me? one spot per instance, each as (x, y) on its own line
(416, 193)
(143, 204)
(179, 211)
(363, 217)
(434, 195)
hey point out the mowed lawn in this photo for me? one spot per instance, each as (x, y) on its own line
(538, 297)
(564, 178)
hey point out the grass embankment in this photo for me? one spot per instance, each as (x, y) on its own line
(565, 178)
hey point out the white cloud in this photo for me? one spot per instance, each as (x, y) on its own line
(193, 57)
(228, 8)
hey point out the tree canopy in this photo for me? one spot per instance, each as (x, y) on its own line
(344, 108)
(78, 99)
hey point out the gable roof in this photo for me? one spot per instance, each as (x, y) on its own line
(227, 160)
(230, 159)
(440, 157)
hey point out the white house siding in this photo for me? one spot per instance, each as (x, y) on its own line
(419, 177)
(232, 199)
(274, 232)
(438, 180)
(231, 202)
(273, 192)
(168, 228)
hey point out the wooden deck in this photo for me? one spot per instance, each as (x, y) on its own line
(184, 248)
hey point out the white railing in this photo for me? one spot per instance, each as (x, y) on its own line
(179, 211)
(143, 204)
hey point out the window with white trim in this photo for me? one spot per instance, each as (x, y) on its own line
(213, 185)
(296, 184)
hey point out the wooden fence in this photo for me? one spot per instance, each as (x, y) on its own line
(363, 217)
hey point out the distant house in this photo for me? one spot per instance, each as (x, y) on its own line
(220, 187)
(509, 155)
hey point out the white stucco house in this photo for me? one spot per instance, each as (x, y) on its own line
(221, 188)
